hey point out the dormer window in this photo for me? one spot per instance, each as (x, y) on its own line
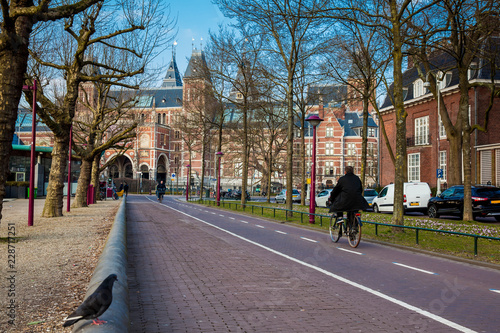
(239, 96)
(405, 92)
(443, 79)
(473, 69)
(418, 88)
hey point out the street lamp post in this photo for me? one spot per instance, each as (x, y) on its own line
(187, 181)
(68, 199)
(438, 190)
(314, 120)
(438, 157)
(31, 202)
(219, 156)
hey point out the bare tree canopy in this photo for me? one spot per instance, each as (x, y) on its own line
(110, 43)
(18, 19)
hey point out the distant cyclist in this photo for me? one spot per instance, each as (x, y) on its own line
(160, 190)
(347, 195)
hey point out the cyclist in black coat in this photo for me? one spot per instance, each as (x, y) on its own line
(160, 189)
(347, 195)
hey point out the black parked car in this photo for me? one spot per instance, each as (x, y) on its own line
(485, 202)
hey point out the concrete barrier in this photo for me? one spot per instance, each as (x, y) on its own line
(113, 260)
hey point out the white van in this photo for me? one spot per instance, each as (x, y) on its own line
(416, 196)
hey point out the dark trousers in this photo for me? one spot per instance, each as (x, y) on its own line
(350, 216)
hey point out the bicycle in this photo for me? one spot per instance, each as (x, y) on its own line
(352, 229)
(160, 196)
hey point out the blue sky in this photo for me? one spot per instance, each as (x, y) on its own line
(194, 20)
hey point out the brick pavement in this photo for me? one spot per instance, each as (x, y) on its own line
(185, 276)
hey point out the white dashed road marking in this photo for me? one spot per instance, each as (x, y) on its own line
(310, 240)
(351, 251)
(415, 268)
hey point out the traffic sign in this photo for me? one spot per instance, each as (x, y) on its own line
(439, 173)
(173, 175)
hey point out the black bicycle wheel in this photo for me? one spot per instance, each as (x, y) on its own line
(354, 232)
(335, 228)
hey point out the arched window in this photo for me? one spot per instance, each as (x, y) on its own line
(418, 88)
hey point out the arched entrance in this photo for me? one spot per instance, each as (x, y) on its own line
(161, 171)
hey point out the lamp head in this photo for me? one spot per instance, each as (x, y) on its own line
(314, 120)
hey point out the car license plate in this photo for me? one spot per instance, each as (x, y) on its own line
(495, 201)
(294, 196)
(414, 204)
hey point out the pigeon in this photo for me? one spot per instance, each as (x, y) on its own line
(95, 305)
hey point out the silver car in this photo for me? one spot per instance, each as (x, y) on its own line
(281, 197)
(322, 197)
(369, 195)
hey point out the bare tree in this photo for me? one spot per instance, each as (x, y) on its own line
(305, 99)
(239, 79)
(268, 133)
(287, 30)
(359, 61)
(117, 49)
(391, 18)
(106, 122)
(461, 32)
(18, 19)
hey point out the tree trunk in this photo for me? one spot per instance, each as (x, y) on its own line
(270, 172)
(95, 176)
(13, 60)
(203, 154)
(365, 138)
(289, 148)
(464, 115)
(400, 165)
(83, 185)
(54, 200)
(454, 176)
(303, 178)
(246, 153)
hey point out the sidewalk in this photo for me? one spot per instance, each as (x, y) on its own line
(54, 260)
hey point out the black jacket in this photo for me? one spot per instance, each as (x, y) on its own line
(348, 195)
(161, 188)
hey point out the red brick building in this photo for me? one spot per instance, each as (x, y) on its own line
(339, 137)
(427, 144)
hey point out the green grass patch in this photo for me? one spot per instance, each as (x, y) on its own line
(439, 242)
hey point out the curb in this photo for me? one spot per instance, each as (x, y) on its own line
(113, 260)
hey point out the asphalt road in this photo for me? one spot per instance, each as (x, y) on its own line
(198, 269)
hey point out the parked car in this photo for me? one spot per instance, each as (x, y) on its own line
(416, 197)
(281, 197)
(485, 202)
(236, 194)
(322, 197)
(369, 195)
